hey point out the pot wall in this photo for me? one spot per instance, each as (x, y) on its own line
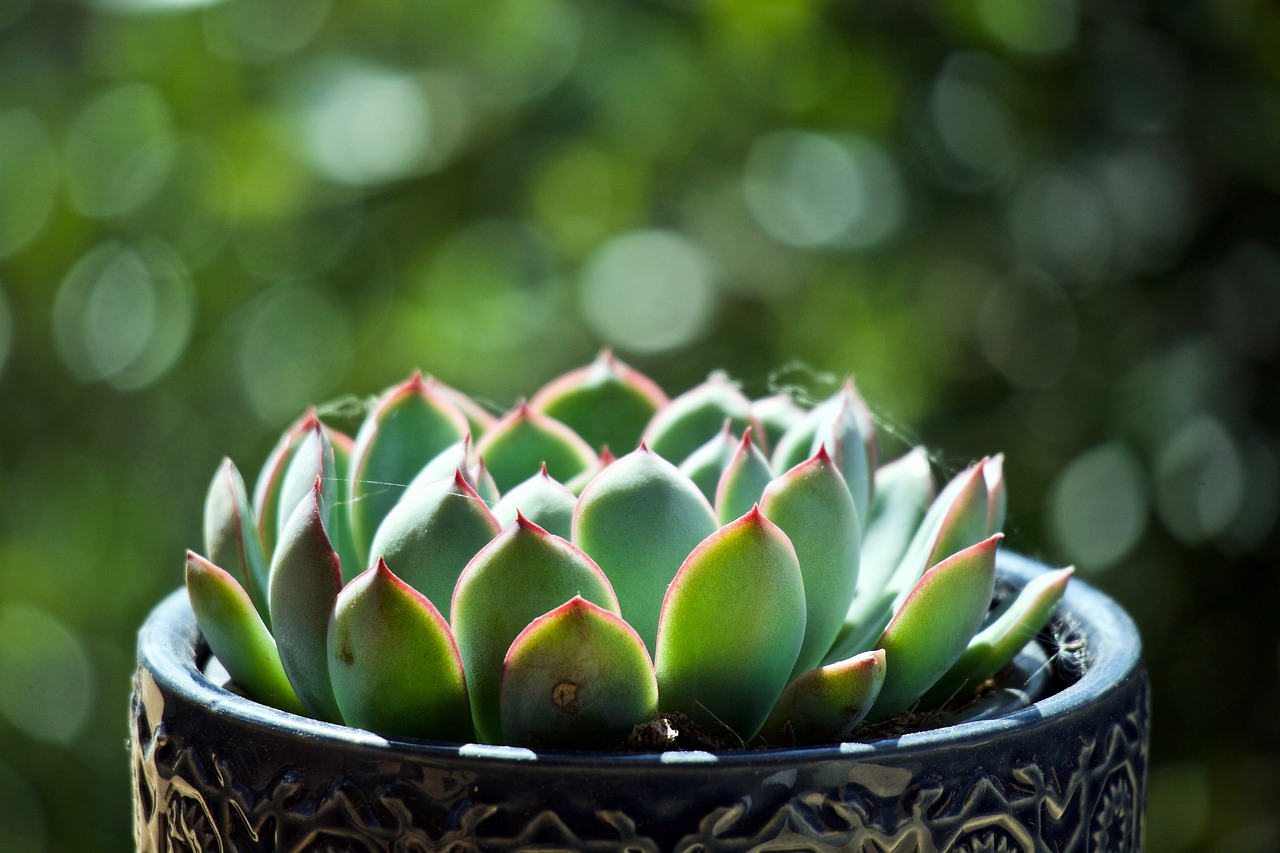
(214, 771)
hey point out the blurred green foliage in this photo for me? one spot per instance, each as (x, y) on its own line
(1047, 227)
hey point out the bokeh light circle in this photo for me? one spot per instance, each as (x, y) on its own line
(47, 677)
(648, 291)
(1098, 506)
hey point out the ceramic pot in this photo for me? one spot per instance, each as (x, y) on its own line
(216, 771)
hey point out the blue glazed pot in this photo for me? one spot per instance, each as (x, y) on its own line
(215, 771)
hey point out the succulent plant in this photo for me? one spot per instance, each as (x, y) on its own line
(456, 576)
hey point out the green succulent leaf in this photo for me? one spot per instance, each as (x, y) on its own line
(393, 662)
(695, 416)
(478, 417)
(455, 457)
(934, 625)
(543, 501)
(955, 520)
(266, 492)
(231, 534)
(516, 446)
(577, 484)
(904, 488)
(812, 506)
(486, 487)
(305, 580)
(339, 519)
(638, 520)
(992, 649)
(429, 537)
(793, 446)
(845, 428)
(776, 414)
(607, 402)
(997, 493)
(706, 465)
(743, 481)
(732, 624)
(825, 705)
(577, 677)
(312, 460)
(237, 635)
(522, 574)
(409, 426)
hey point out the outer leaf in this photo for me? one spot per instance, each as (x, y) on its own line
(732, 625)
(231, 536)
(516, 446)
(237, 635)
(776, 414)
(638, 520)
(410, 424)
(825, 705)
(578, 677)
(431, 535)
(935, 624)
(813, 507)
(305, 580)
(543, 501)
(606, 402)
(522, 574)
(266, 492)
(706, 465)
(904, 488)
(1000, 641)
(696, 416)
(743, 481)
(393, 661)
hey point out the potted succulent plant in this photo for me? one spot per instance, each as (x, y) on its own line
(743, 632)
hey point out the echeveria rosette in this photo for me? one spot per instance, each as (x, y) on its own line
(779, 596)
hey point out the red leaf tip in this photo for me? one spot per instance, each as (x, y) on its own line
(606, 457)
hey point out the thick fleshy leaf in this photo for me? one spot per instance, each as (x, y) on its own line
(706, 465)
(455, 457)
(486, 487)
(904, 488)
(792, 447)
(266, 492)
(305, 580)
(237, 635)
(312, 460)
(478, 417)
(607, 402)
(339, 519)
(743, 481)
(576, 678)
(997, 493)
(956, 520)
(999, 642)
(543, 501)
(231, 534)
(409, 426)
(845, 428)
(694, 417)
(393, 661)
(812, 506)
(776, 414)
(519, 444)
(639, 519)
(578, 483)
(732, 625)
(522, 574)
(824, 705)
(429, 537)
(934, 626)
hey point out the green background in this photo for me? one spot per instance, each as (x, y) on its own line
(1047, 227)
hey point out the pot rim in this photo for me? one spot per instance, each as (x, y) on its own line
(168, 640)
